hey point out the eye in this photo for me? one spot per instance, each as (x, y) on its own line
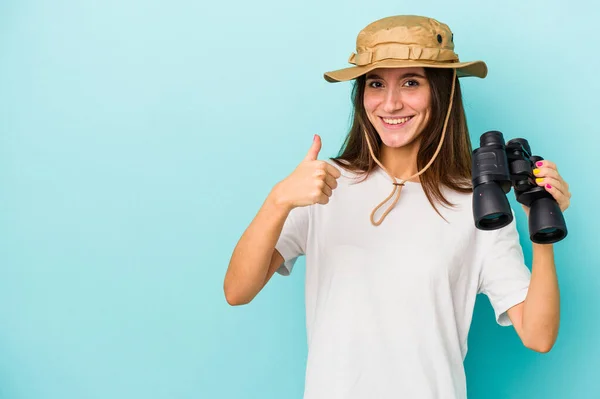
(374, 84)
(411, 83)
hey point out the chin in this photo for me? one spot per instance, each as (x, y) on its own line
(396, 141)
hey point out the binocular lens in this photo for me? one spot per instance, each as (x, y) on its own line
(495, 219)
(548, 236)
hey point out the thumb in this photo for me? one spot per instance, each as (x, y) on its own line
(313, 152)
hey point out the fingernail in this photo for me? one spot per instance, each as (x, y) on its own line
(539, 180)
(539, 163)
(314, 137)
(548, 186)
(536, 171)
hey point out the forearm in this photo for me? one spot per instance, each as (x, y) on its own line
(541, 311)
(251, 257)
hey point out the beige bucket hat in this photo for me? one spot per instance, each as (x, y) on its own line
(405, 41)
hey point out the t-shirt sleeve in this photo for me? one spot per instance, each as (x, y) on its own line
(293, 238)
(504, 276)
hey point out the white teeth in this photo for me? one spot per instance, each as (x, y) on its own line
(396, 121)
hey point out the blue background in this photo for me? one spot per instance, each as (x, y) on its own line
(139, 138)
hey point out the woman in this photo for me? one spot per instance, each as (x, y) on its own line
(389, 298)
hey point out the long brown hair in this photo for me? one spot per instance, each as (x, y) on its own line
(451, 168)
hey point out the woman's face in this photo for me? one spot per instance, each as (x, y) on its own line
(398, 104)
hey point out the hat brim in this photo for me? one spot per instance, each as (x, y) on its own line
(463, 69)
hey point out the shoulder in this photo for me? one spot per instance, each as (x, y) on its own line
(460, 200)
(459, 214)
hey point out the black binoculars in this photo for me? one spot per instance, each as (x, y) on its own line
(498, 167)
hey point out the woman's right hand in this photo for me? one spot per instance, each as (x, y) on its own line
(312, 181)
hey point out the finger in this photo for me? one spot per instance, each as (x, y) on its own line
(324, 168)
(323, 199)
(546, 172)
(542, 181)
(549, 172)
(326, 190)
(561, 198)
(333, 171)
(323, 187)
(313, 152)
(546, 164)
(557, 185)
(331, 181)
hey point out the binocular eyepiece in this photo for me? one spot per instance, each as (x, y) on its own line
(497, 167)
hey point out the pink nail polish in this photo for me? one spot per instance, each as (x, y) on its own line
(548, 186)
(539, 163)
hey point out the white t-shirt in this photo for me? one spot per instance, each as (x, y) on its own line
(388, 308)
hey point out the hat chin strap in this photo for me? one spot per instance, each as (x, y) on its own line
(398, 185)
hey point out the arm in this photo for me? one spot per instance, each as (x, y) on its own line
(255, 259)
(537, 319)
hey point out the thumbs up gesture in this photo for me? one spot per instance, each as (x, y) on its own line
(312, 181)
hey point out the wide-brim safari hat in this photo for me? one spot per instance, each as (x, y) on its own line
(405, 41)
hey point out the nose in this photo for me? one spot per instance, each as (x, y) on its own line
(392, 101)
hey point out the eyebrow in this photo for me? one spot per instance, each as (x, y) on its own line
(406, 75)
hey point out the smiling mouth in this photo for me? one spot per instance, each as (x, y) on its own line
(395, 122)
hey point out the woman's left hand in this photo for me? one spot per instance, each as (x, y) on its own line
(547, 176)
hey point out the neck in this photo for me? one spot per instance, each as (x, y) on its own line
(401, 162)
